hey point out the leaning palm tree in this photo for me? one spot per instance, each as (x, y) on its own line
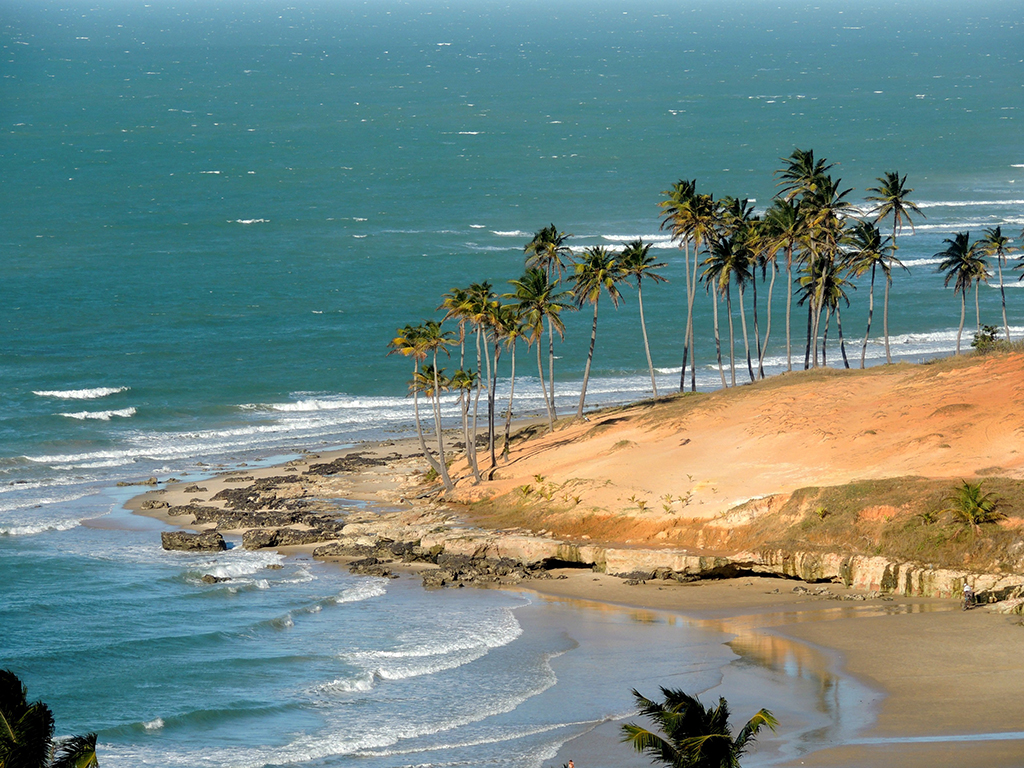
(636, 263)
(434, 340)
(676, 216)
(963, 266)
(26, 733)
(598, 271)
(409, 343)
(548, 251)
(464, 382)
(692, 735)
(995, 244)
(869, 252)
(891, 197)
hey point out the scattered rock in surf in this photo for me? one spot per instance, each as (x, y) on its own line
(194, 489)
(209, 578)
(206, 541)
(153, 504)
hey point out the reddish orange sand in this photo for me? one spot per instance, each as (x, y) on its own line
(953, 418)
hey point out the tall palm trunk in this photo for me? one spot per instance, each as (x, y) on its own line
(871, 310)
(544, 386)
(470, 453)
(768, 326)
(963, 315)
(689, 316)
(977, 304)
(590, 357)
(842, 342)
(757, 328)
(479, 387)
(643, 328)
(419, 426)
(807, 352)
(824, 339)
(508, 411)
(718, 342)
(732, 336)
(551, 368)
(491, 405)
(746, 343)
(1002, 295)
(885, 319)
(437, 428)
(789, 307)
(693, 300)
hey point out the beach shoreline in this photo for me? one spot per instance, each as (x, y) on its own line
(921, 654)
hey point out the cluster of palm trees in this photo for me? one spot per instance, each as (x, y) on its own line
(496, 323)
(814, 230)
(811, 230)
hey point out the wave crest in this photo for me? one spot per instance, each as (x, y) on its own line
(80, 394)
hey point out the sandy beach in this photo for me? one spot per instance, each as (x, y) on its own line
(949, 684)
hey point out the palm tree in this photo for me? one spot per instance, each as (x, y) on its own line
(963, 266)
(598, 271)
(676, 209)
(480, 303)
(996, 245)
(826, 208)
(869, 252)
(549, 252)
(802, 175)
(26, 733)
(784, 227)
(970, 506)
(729, 263)
(435, 340)
(409, 343)
(538, 299)
(465, 381)
(690, 217)
(891, 195)
(637, 264)
(692, 735)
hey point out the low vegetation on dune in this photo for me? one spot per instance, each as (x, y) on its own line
(905, 518)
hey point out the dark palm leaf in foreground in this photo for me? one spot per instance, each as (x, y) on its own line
(692, 735)
(26, 733)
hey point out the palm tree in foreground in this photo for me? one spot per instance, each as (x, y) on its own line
(26, 733)
(636, 263)
(692, 735)
(598, 271)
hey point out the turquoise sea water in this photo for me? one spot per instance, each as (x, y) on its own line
(215, 216)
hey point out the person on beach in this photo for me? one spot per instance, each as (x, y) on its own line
(968, 596)
(570, 764)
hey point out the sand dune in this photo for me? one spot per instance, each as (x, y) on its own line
(697, 456)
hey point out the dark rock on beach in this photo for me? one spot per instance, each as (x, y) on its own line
(207, 541)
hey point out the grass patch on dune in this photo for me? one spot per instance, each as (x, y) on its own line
(904, 518)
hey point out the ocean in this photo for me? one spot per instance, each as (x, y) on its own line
(215, 217)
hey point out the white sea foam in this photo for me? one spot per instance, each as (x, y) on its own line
(921, 262)
(512, 233)
(251, 221)
(31, 529)
(359, 684)
(365, 590)
(80, 394)
(970, 203)
(154, 725)
(476, 226)
(121, 413)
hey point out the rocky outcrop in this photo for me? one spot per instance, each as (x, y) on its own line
(206, 541)
(261, 538)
